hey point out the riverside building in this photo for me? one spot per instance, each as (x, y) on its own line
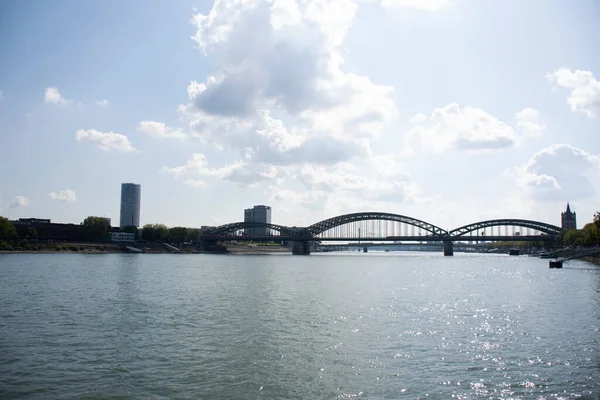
(261, 214)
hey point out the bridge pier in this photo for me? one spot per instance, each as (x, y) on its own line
(555, 264)
(301, 248)
(448, 248)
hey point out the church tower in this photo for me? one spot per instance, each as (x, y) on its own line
(569, 219)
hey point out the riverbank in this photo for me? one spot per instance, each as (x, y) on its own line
(49, 248)
(147, 248)
(594, 260)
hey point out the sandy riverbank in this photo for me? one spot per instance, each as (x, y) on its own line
(258, 250)
(147, 248)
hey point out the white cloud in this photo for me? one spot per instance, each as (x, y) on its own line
(105, 141)
(195, 183)
(429, 5)
(528, 120)
(278, 91)
(311, 199)
(585, 89)
(53, 96)
(560, 172)
(159, 129)
(102, 103)
(20, 201)
(451, 127)
(66, 195)
(380, 182)
(239, 172)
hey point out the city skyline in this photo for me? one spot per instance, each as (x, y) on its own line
(439, 110)
(262, 214)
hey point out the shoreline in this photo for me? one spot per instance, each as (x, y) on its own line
(593, 260)
(145, 252)
(147, 248)
(160, 248)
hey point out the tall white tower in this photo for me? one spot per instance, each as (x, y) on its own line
(131, 195)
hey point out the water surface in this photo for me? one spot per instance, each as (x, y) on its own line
(324, 326)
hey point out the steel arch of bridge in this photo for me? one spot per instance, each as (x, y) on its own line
(325, 225)
(523, 223)
(230, 229)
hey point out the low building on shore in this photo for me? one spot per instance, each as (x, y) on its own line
(121, 237)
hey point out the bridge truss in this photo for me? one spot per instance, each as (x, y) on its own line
(373, 225)
(511, 227)
(247, 230)
(377, 226)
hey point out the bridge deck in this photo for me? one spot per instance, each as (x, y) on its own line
(386, 238)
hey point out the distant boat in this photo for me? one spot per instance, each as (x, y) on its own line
(514, 252)
(544, 255)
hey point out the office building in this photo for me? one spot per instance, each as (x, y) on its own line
(121, 237)
(131, 195)
(260, 214)
(568, 219)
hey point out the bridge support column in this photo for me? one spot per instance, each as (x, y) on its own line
(555, 264)
(301, 248)
(448, 248)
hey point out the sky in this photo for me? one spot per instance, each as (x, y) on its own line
(449, 111)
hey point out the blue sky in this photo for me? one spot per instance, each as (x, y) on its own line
(450, 111)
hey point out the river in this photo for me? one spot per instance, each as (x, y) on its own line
(325, 326)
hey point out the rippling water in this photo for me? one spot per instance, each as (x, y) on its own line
(376, 326)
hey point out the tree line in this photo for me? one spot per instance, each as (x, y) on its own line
(589, 235)
(98, 228)
(161, 233)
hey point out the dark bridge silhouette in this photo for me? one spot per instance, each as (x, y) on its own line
(377, 226)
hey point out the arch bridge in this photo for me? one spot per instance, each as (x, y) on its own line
(380, 226)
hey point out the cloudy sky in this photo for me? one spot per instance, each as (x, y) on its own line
(451, 111)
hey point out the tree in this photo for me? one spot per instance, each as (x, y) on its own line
(591, 234)
(193, 234)
(154, 232)
(131, 229)
(573, 237)
(178, 234)
(147, 232)
(95, 228)
(7, 229)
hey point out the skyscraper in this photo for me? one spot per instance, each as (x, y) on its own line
(568, 219)
(258, 214)
(131, 195)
